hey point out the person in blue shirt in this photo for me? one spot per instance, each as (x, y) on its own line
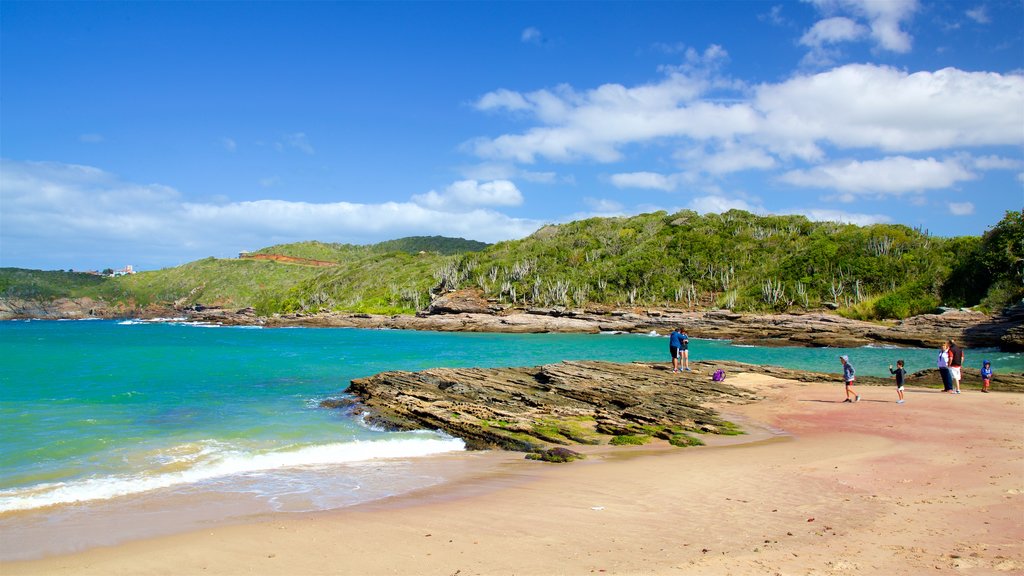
(986, 376)
(848, 378)
(674, 344)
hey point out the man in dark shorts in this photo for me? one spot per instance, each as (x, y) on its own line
(674, 342)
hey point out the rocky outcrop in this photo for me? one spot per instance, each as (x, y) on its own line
(571, 403)
(529, 409)
(460, 302)
(59, 309)
(77, 309)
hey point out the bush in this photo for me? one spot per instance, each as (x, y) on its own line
(629, 440)
(685, 440)
(907, 301)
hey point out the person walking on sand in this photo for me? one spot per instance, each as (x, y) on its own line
(956, 360)
(986, 376)
(943, 364)
(674, 343)
(900, 374)
(848, 379)
(684, 349)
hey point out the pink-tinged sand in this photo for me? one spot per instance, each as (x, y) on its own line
(933, 486)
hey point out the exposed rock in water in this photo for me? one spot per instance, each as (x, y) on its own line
(557, 455)
(76, 309)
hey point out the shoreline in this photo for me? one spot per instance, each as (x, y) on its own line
(875, 487)
(465, 312)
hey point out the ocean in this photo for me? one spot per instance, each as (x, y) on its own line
(117, 430)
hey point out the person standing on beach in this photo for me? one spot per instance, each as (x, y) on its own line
(900, 374)
(943, 364)
(986, 376)
(848, 379)
(684, 349)
(674, 342)
(956, 360)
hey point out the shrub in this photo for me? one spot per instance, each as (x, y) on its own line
(685, 440)
(907, 301)
(630, 440)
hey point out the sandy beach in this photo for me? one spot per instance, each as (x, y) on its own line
(935, 485)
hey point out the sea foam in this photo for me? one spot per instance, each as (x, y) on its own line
(218, 460)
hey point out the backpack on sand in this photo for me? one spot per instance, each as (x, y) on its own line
(719, 375)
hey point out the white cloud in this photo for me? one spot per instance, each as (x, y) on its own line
(647, 180)
(996, 163)
(508, 171)
(774, 15)
(825, 215)
(725, 158)
(979, 14)
(867, 106)
(531, 35)
(832, 31)
(297, 141)
(961, 208)
(229, 144)
(850, 107)
(884, 18)
(91, 138)
(603, 206)
(469, 193)
(502, 98)
(718, 204)
(894, 176)
(61, 215)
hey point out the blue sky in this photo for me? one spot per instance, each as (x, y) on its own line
(158, 133)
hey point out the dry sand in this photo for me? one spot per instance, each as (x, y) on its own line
(933, 486)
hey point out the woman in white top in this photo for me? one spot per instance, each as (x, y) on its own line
(943, 364)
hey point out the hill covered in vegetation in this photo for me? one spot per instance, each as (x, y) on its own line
(735, 260)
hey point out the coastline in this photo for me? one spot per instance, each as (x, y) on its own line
(465, 311)
(875, 487)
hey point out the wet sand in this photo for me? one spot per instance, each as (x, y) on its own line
(935, 485)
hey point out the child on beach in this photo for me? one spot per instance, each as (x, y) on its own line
(848, 378)
(986, 376)
(900, 373)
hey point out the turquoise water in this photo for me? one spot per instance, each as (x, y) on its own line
(95, 410)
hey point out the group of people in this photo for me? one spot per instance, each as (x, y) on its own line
(679, 348)
(950, 360)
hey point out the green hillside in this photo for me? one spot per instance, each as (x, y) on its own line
(46, 285)
(734, 260)
(331, 252)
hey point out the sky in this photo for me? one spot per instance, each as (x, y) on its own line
(158, 133)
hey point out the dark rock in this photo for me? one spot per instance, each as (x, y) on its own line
(336, 403)
(557, 455)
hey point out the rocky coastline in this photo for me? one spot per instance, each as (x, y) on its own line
(464, 311)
